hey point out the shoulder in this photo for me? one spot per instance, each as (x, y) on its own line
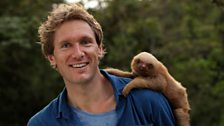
(142, 96)
(116, 81)
(45, 114)
(153, 104)
(114, 77)
(147, 97)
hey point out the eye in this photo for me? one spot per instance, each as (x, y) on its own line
(66, 45)
(150, 66)
(138, 61)
(85, 41)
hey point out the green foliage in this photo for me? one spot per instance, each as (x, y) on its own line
(13, 30)
(24, 82)
(187, 36)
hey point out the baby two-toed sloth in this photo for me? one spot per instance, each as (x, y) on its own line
(148, 72)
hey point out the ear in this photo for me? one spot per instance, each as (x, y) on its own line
(51, 59)
(101, 52)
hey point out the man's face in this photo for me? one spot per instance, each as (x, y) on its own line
(76, 52)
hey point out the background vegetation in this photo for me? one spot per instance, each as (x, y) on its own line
(187, 36)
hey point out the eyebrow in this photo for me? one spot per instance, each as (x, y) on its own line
(82, 37)
(86, 38)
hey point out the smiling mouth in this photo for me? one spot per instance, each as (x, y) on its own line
(81, 65)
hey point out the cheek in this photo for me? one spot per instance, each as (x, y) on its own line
(61, 57)
(95, 52)
(134, 68)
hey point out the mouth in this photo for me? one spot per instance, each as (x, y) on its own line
(79, 65)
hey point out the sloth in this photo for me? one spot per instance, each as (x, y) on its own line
(148, 72)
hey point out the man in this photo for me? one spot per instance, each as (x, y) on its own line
(72, 42)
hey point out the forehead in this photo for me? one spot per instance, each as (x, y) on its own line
(146, 57)
(73, 29)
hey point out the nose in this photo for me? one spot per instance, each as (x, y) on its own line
(77, 51)
(142, 67)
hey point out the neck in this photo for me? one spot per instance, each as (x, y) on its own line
(96, 96)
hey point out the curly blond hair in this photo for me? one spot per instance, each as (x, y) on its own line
(60, 14)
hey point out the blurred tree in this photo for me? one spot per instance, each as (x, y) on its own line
(184, 35)
(128, 30)
(23, 71)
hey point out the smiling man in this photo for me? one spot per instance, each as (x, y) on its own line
(72, 42)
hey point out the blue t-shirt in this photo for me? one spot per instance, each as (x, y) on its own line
(90, 119)
(140, 107)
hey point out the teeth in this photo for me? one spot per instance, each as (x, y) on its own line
(79, 65)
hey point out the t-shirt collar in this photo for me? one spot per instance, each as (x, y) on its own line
(63, 109)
